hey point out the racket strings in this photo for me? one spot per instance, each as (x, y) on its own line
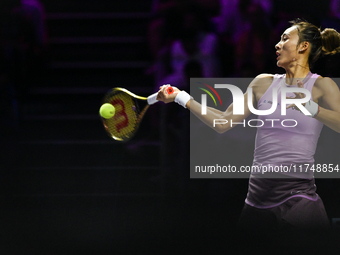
(123, 125)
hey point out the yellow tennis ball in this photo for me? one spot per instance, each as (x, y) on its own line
(107, 111)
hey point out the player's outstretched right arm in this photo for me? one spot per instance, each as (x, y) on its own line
(258, 85)
(212, 114)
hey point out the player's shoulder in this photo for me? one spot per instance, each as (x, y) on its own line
(265, 75)
(262, 80)
(323, 80)
(325, 83)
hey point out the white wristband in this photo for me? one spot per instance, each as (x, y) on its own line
(312, 107)
(182, 98)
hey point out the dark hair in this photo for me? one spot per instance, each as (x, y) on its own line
(326, 42)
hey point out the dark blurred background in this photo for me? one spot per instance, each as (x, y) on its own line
(66, 187)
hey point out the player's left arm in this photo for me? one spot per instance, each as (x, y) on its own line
(329, 103)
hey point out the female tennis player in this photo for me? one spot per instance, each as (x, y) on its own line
(284, 203)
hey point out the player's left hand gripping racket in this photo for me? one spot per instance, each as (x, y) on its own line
(129, 112)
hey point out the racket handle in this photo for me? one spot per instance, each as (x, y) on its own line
(152, 98)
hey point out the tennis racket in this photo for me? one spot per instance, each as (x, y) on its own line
(129, 112)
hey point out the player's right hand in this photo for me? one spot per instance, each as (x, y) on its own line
(164, 96)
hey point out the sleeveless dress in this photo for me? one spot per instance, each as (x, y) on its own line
(284, 141)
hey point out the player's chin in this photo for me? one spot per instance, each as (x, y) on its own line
(279, 63)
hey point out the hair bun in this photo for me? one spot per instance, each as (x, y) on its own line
(330, 41)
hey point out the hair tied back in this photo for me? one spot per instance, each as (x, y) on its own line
(330, 41)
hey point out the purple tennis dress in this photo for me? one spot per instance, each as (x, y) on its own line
(278, 145)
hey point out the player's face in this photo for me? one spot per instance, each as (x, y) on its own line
(286, 48)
